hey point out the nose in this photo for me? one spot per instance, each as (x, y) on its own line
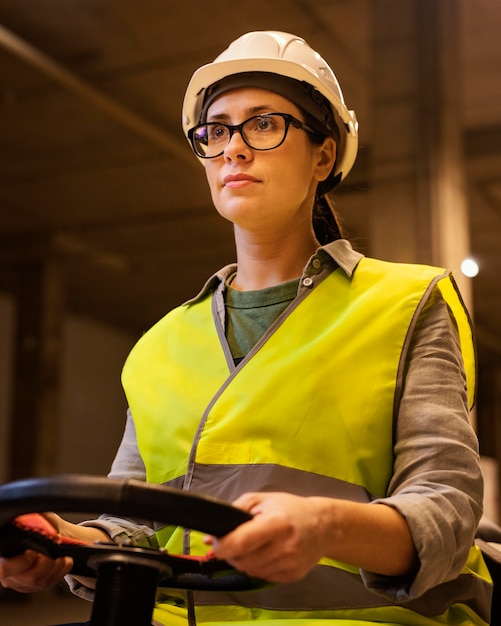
(236, 148)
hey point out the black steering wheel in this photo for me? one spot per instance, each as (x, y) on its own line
(127, 576)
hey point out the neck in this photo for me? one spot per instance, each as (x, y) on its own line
(268, 261)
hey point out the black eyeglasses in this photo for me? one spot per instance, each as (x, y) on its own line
(260, 132)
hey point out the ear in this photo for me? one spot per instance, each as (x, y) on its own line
(326, 158)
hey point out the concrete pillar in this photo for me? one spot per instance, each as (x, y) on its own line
(35, 410)
(7, 317)
(419, 210)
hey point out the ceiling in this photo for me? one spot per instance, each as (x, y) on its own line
(95, 171)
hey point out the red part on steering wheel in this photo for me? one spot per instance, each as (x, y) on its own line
(36, 523)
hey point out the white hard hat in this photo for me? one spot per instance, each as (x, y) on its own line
(286, 55)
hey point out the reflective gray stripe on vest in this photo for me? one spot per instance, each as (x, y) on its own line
(329, 589)
(228, 482)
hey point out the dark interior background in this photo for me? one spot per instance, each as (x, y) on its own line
(96, 174)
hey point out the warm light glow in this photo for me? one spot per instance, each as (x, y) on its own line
(469, 267)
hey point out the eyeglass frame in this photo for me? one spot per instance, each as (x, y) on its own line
(289, 119)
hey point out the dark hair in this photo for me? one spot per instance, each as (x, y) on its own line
(325, 224)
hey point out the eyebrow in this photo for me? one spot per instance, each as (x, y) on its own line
(250, 111)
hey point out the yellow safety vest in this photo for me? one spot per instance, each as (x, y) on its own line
(310, 411)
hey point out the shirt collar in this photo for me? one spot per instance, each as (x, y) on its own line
(340, 251)
(343, 254)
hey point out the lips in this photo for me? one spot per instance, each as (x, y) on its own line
(235, 181)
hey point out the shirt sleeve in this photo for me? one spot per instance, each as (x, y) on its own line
(437, 483)
(127, 464)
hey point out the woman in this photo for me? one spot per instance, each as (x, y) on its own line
(332, 390)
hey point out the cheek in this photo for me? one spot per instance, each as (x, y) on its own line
(296, 178)
(220, 200)
(211, 175)
(209, 171)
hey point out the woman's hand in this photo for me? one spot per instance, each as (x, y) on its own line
(31, 571)
(281, 544)
(289, 534)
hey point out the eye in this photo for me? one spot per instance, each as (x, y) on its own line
(261, 124)
(216, 132)
(265, 123)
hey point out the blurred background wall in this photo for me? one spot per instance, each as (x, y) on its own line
(106, 222)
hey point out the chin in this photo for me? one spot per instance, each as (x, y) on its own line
(237, 209)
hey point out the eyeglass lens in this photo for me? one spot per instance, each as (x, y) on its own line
(261, 132)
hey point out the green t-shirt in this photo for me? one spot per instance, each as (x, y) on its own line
(249, 314)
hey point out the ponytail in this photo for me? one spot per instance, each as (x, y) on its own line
(325, 224)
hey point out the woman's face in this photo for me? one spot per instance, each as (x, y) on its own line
(265, 190)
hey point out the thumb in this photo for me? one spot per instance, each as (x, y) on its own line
(250, 501)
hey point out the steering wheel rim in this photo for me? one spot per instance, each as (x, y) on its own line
(80, 493)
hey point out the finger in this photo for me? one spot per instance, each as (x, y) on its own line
(34, 572)
(250, 540)
(17, 565)
(248, 501)
(272, 565)
(41, 576)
